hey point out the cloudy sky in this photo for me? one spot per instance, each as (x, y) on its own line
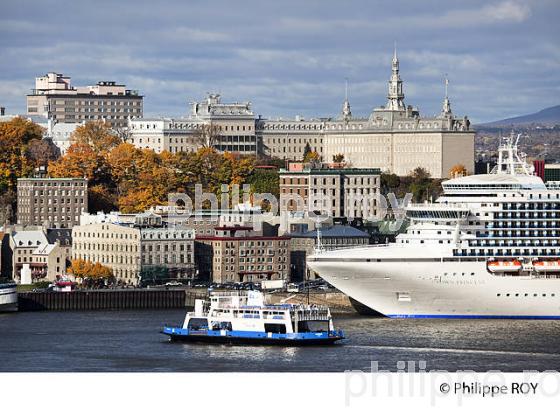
(291, 57)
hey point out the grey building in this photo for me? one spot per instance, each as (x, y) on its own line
(303, 244)
(57, 201)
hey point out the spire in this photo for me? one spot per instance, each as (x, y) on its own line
(446, 110)
(346, 112)
(395, 97)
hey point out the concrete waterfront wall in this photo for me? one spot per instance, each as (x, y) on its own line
(106, 299)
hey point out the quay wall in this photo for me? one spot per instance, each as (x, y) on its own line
(106, 299)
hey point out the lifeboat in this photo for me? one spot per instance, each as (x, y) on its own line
(552, 265)
(504, 266)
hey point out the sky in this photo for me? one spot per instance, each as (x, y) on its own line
(502, 57)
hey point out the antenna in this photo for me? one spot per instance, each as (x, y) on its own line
(319, 248)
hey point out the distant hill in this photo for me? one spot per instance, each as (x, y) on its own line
(548, 116)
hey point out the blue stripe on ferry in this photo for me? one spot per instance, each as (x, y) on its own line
(250, 334)
(473, 317)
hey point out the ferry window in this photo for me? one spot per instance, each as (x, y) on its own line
(544, 294)
(499, 294)
(534, 294)
(526, 294)
(517, 294)
(198, 324)
(472, 273)
(552, 294)
(275, 328)
(507, 294)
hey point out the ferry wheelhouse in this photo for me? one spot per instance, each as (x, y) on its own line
(243, 317)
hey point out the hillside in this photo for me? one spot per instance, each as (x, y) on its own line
(548, 116)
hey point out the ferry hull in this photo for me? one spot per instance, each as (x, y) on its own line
(242, 338)
(463, 290)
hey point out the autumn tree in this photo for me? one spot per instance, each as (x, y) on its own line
(338, 158)
(457, 170)
(16, 136)
(312, 157)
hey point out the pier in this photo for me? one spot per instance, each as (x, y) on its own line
(107, 299)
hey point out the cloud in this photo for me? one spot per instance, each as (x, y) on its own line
(291, 57)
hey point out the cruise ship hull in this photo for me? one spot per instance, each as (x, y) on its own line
(442, 289)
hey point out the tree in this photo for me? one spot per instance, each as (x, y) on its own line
(457, 170)
(306, 151)
(15, 136)
(338, 158)
(312, 157)
(98, 135)
(41, 152)
(206, 136)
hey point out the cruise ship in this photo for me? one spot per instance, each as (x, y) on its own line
(488, 247)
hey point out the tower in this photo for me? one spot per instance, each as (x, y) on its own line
(346, 112)
(395, 98)
(446, 109)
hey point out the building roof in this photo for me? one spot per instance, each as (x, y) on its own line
(44, 249)
(336, 231)
(30, 238)
(64, 236)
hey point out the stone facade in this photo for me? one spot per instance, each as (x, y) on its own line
(351, 192)
(58, 201)
(54, 97)
(237, 254)
(394, 137)
(127, 249)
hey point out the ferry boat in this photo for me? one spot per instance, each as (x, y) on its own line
(8, 297)
(488, 247)
(243, 318)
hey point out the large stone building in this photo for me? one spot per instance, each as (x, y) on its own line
(225, 126)
(239, 254)
(130, 248)
(394, 137)
(350, 192)
(55, 98)
(58, 201)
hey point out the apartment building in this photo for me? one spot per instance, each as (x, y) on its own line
(55, 98)
(340, 192)
(59, 201)
(130, 248)
(239, 254)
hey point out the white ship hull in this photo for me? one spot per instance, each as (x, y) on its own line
(8, 299)
(429, 289)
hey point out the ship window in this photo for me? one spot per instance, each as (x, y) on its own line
(517, 294)
(507, 294)
(313, 326)
(499, 294)
(534, 294)
(198, 324)
(472, 273)
(275, 328)
(526, 294)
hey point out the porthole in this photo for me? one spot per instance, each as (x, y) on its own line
(507, 294)
(517, 294)
(499, 294)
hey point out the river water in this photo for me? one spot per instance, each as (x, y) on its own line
(129, 341)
